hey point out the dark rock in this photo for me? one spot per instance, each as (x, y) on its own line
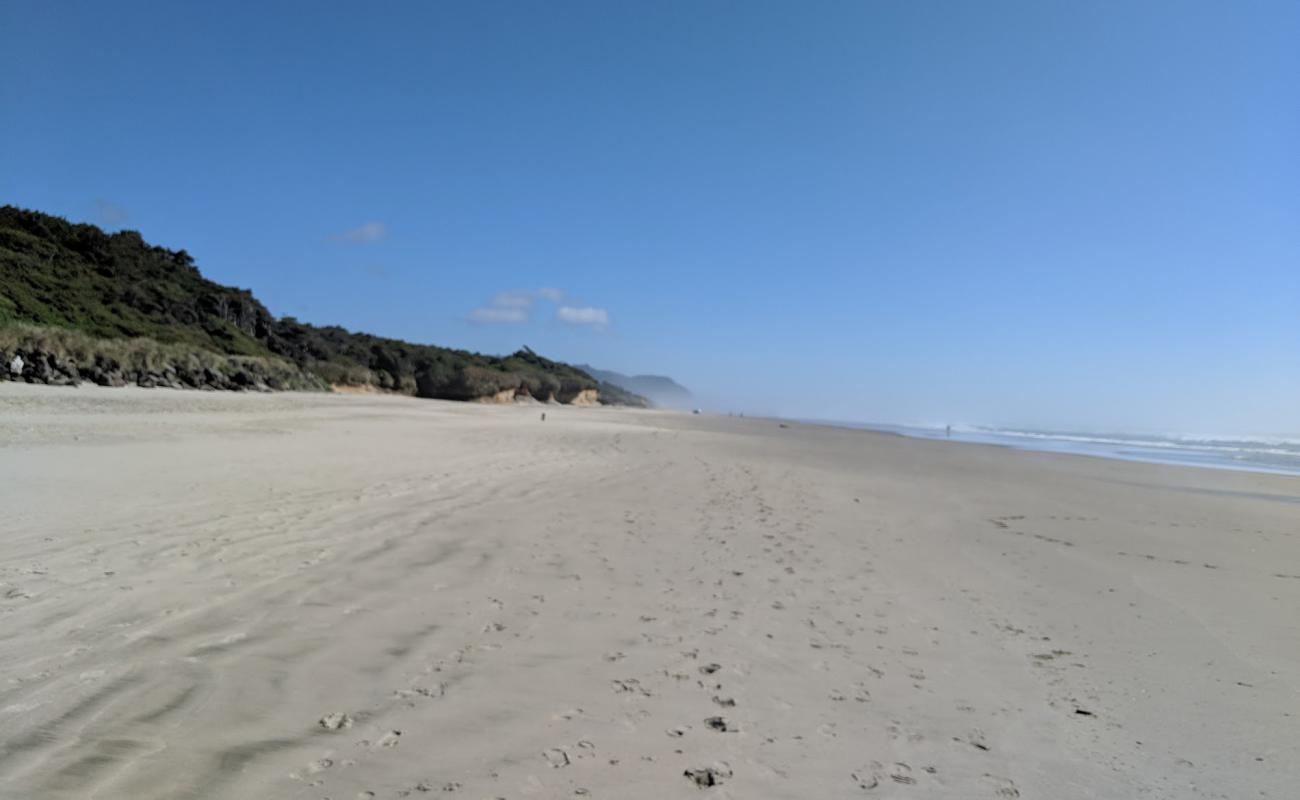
(107, 376)
(187, 379)
(37, 369)
(67, 368)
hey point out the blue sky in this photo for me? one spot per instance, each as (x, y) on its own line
(1080, 214)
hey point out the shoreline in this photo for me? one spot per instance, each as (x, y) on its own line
(900, 431)
(1072, 444)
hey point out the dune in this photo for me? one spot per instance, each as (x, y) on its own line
(209, 595)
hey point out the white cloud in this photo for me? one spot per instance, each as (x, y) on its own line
(515, 305)
(367, 232)
(512, 306)
(584, 315)
(495, 314)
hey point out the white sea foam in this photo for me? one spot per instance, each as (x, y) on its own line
(1279, 445)
(1261, 453)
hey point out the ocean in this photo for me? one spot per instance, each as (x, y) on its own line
(1274, 454)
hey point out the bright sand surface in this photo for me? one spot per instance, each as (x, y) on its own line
(313, 596)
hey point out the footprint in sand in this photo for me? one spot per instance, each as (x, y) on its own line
(336, 721)
(581, 750)
(389, 739)
(901, 773)
(1002, 787)
(868, 777)
(431, 692)
(556, 757)
(630, 686)
(714, 775)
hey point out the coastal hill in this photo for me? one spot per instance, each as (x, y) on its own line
(77, 303)
(658, 389)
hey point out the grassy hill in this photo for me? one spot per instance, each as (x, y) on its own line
(81, 304)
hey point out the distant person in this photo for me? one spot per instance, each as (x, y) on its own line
(948, 432)
(543, 416)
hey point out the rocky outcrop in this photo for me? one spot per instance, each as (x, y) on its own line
(248, 374)
(570, 391)
(503, 396)
(232, 374)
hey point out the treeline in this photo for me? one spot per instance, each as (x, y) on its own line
(110, 287)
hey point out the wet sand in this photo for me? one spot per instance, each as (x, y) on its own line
(309, 596)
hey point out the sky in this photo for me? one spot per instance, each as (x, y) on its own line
(1078, 215)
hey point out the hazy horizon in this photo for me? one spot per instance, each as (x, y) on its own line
(1069, 217)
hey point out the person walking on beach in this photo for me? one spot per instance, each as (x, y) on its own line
(948, 432)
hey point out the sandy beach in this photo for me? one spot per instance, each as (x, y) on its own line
(211, 595)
